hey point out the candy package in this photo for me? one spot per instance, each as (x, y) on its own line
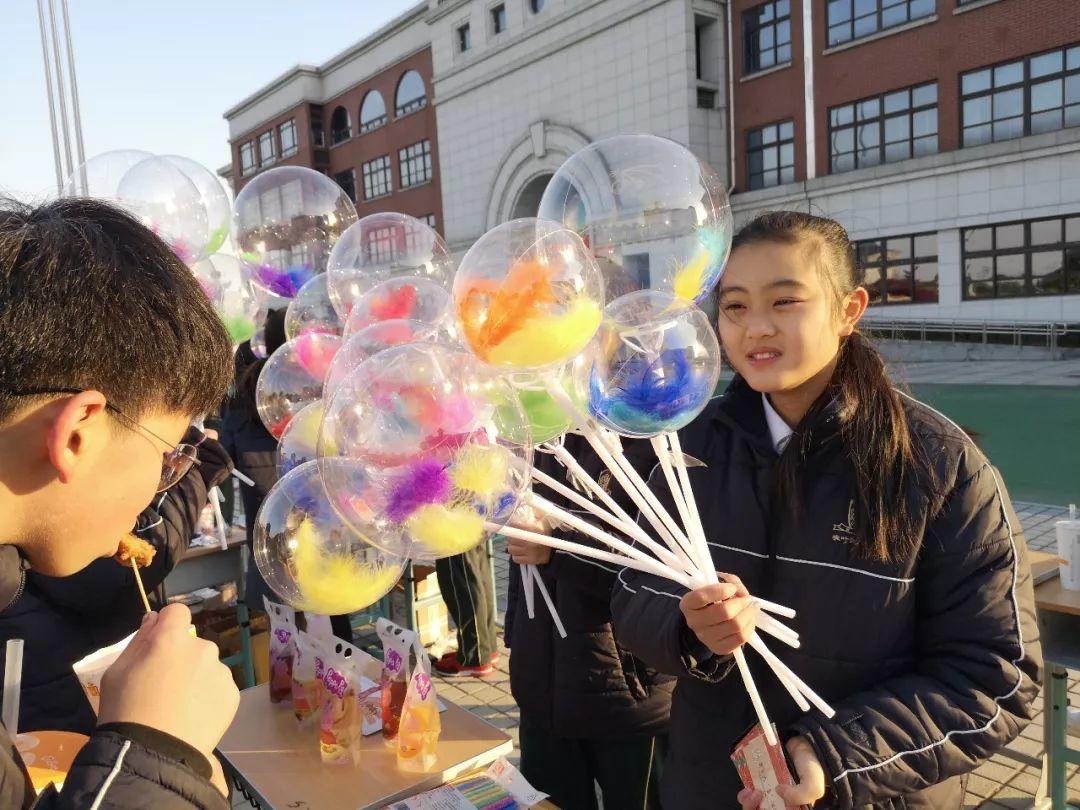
(306, 684)
(418, 731)
(339, 718)
(396, 643)
(282, 641)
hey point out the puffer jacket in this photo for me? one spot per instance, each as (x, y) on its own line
(932, 663)
(62, 619)
(585, 685)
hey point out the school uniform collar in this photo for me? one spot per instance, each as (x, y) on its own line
(12, 576)
(779, 430)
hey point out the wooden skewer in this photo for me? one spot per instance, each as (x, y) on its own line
(138, 581)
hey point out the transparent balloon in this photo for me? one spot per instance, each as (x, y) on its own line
(653, 366)
(653, 214)
(444, 443)
(210, 280)
(238, 308)
(546, 418)
(214, 198)
(168, 203)
(311, 311)
(384, 246)
(527, 296)
(285, 223)
(309, 557)
(300, 440)
(293, 378)
(410, 297)
(100, 176)
(372, 340)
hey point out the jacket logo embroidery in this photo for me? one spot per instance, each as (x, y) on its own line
(845, 532)
(604, 480)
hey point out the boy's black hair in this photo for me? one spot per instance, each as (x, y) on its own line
(91, 299)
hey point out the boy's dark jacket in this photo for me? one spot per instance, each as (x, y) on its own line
(932, 663)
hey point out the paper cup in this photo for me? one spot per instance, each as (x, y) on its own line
(48, 755)
(89, 670)
(1068, 547)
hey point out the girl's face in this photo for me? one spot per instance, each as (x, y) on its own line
(779, 322)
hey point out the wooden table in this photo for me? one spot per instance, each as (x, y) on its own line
(280, 765)
(1059, 631)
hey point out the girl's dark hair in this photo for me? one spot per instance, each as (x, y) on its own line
(873, 425)
(243, 398)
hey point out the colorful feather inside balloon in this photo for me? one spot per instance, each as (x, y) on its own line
(649, 396)
(424, 482)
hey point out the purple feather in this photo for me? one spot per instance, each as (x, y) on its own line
(424, 482)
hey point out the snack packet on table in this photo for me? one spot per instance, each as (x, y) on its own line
(418, 731)
(282, 641)
(396, 642)
(306, 684)
(339, 718)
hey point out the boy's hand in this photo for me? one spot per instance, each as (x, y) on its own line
(808, 770)
(722, 616)
(169, 680)
(525, 553)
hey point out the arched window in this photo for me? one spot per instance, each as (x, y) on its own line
(340, 128)
(372, 112)
(411, 94)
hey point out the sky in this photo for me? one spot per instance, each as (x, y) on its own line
(158, 75)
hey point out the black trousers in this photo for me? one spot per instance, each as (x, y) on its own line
(569, 770)
(465, 583)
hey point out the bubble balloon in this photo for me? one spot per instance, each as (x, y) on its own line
(653, 215)
(100, 176)
(412, 298)
(384, 246)
(299, 441)
(309, 557)
(169, 204)
(238, 309)
(210, 280)
(214, 198)
(311, 311)
(527, 295)
(446, 453)
(372, 340)
(653, 365)
(292, 378)
(285, 222)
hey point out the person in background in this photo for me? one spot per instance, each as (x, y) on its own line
(108, 350)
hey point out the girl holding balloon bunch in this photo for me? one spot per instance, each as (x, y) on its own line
(874, 517)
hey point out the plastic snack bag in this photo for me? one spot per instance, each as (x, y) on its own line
(339, 719)
(282, 640)
(306, 684)
(418, 731)
(396, 641)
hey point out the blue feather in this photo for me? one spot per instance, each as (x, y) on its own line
(648, 397)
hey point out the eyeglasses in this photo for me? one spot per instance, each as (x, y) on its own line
(174, 464)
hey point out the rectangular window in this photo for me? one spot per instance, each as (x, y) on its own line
(1022, 259)
(247, 157)
(498, 19)
(854, 19)
(378, 179)
(767, 36)
(770, 154)
(464, 38)
(414, 164)
(899, 269)
(381, 245)
(287, 133)
(429, 220)
(317, 138)
(267, 152)
(884, 129)
(347, 181)
(1039, 93)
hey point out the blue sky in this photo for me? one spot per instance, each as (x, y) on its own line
(158, 75)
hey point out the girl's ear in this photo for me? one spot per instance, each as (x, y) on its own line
(854, 307)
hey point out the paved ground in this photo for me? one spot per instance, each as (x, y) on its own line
(1001, 782)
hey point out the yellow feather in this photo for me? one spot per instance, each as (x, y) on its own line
(548, 339)
(481, 469)
(688, 280)
(445, 532)
(336, 583)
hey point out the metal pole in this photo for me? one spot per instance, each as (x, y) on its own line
(49, 93)
(60, 90)
(79, 153)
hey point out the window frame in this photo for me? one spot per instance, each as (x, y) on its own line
(408, 160)
(289, 125)
(267, 138)
(881, 118)
(368, 172)
(878, 14)
(463, 37)
(776, 144)
(250, 148)
(352, 173)
(494, 12)
(1025, 85)
(414, 104)
(377, 121)
(1064, 247)
(752, 26)
(334, 139)
(912, 261)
